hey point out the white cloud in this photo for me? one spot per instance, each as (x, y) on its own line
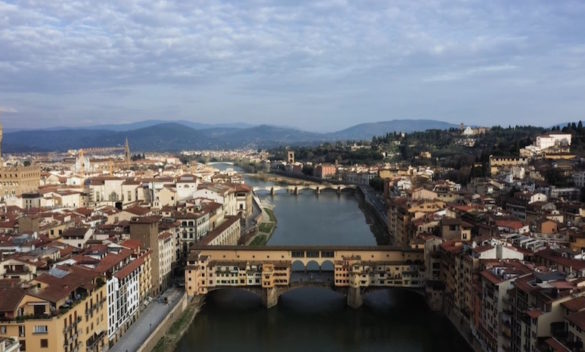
(8, 109)
(55, 52)
(474, 71)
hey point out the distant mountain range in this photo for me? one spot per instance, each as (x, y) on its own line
(156, 135)
(141, 124)
(365, 131)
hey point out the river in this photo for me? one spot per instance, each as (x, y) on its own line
(318, 319)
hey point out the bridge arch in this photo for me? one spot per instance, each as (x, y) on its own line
(298, 265)
(327, 265)
(241, 291)
(313, 265)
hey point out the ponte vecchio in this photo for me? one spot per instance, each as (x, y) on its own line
(273, 270)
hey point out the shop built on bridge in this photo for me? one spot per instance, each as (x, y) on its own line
(272, 271)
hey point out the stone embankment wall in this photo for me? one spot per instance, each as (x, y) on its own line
(165, 325)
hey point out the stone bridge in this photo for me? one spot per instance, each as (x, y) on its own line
(272, 271)
(296, 189)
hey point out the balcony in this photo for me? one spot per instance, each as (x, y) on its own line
(71, 346)
(94, 342)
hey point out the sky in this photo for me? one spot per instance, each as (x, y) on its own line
(318, 65)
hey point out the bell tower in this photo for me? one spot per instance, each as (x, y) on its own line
(1, 136)
(127, 151)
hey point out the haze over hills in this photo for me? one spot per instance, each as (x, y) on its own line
(155, 135)
(140, 124)
(366, 131)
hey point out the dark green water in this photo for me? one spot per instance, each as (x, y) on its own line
(318, 319)
(327, 219)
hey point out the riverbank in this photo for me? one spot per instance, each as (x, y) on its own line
(265, 228)
(278, 178)
(173, 330)
(377, 226)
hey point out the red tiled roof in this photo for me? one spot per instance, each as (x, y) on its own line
(138, 210)
(77, 232)
(10, 298)
(534, 313)
(84, 211)
(128, 269)
(557, 258)
(556, 346)
(577, 319)
(60, 288)
(165, 235)
(111, 260)
(575, 305)
(512, 224)
(132, 244)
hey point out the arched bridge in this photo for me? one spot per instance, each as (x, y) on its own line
(272, 271)
(296, 189)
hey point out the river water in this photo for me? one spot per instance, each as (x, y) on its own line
(313, 319)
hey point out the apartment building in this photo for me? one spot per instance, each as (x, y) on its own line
(495, 327)
(228, 233)
(63, 310)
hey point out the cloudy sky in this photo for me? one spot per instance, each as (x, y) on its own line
(315, 65)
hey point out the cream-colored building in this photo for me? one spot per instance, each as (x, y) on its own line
(226, 234)
(497, 163)
(16, 180)
(219, 193)
(64, 310)
(167, 256)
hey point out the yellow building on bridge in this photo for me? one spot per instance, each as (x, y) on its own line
(270, 272)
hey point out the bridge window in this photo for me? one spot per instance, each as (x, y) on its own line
(312, 254)
(327, 254)
(298, 254)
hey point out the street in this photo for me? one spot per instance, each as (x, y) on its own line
(372, 198)
(147, 322)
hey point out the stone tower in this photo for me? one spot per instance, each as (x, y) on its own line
(127, 151)
(1, 136)
(291, 157)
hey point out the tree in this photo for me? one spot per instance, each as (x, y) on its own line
(377, 183)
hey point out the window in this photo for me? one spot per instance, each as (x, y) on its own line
(40, 329)
(44, 343)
